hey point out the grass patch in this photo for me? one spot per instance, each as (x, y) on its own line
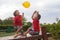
(50, 38)
(2, 34)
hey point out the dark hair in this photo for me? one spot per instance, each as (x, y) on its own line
(15, 12)
(39, 16)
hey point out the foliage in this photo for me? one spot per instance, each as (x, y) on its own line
(24, 21)
(7, 22)
(1, 22)
(54, 29)
(27, 26)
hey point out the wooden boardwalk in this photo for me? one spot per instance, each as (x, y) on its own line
(43, 36)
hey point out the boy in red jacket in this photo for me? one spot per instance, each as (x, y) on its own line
(18, 22)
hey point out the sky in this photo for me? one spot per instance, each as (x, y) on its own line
(49, 9)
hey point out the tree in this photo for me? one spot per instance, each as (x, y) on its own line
(57, 19)
(29, 24)
(1, 22)
(7, 22)
(24, 20)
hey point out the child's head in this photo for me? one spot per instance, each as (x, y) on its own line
(16, 13)
(36, 15)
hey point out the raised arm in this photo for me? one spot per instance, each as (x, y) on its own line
(22, 15)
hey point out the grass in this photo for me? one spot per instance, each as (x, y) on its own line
(50, 38)
(2, 34)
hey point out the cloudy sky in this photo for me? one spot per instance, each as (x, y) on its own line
(49, 9)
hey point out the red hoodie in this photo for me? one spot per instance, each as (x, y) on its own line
(36, 25)
(18, 20)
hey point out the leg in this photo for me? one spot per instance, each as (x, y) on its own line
(16, 34)
(27, 31)
(20, 28)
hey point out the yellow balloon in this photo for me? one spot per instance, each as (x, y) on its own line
(26, 4)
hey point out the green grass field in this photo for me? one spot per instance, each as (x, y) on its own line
(2, 34)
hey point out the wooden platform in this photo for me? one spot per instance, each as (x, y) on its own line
(44, 36)
(32, 37)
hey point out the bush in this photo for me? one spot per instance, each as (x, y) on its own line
(54, 29)
(25, 27)
(7, 28)
(2, 27)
